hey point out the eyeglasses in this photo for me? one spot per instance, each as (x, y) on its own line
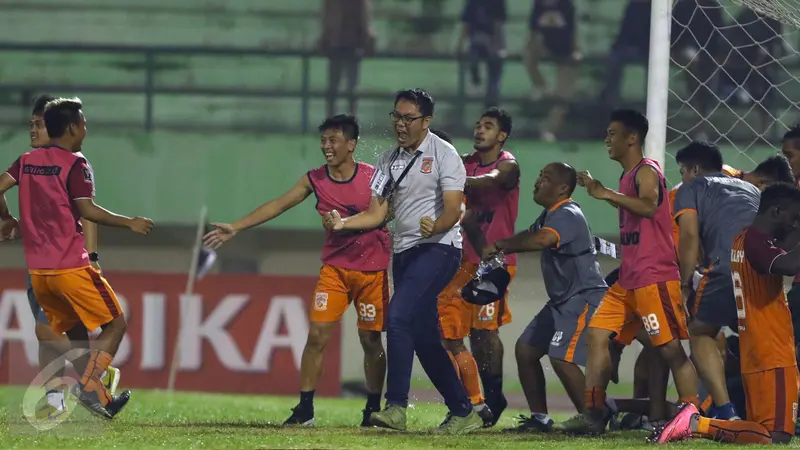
(405, 119)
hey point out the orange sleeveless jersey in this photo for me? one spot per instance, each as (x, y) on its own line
(676, 230)
(766, 336)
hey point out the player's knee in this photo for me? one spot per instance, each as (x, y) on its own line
(117, 324)
(370, 341)
(454, 346)
(672, 352)
(317, 336)
(598, 338)
(525, 352)
(702, 330)
(45, 333)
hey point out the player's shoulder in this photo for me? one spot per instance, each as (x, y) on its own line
(568, 208)
(443, 148)
(365, 168)
(471, 158)
(318, 172)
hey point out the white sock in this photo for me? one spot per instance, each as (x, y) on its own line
(56, 399)
(544, 418)
(479, 407)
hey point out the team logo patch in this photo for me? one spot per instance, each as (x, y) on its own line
(87, 174)
(427, 164)
(321, 301)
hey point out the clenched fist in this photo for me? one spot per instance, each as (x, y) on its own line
(426, 226)
(333, 221)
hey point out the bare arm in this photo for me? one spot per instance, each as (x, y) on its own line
(506, 174)
(371, 218)
(472, 228)
(688, 245)
(646, 204)
(452, 211)
(99, 215)
(787, 264)
(275, 208)
(89, 235)
(528, 241)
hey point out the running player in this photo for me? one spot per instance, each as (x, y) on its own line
(574, 286)
(492, 201)
(354, 264)
(56, 189)
(769, 368)
(52, 345)
(648, 290)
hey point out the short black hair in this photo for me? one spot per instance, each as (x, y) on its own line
(778, 194)
(419, 97)
(568, 175)
(60, 113)
(776, 169)
(704, 155)
(632, 120)
(346, 123)
(793, 133)
(502, 116)
(443, 135)
(39, 104)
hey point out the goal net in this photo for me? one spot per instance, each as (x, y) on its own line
(733, 80)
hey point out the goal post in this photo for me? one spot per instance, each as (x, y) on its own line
(726, 71)
(658, 80)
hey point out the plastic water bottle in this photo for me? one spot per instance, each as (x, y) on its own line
(498, 260)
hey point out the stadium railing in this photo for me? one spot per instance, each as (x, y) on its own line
(149, 86)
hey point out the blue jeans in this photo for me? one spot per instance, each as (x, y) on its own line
(420, 274)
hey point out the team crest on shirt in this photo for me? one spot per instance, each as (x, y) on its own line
(427, 164)
(321, 301)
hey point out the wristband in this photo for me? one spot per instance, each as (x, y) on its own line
(94, 257)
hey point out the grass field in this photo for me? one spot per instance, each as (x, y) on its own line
(156, 419)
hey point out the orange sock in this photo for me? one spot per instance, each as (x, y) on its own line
(733, 431)
(468, 369)
(595, 398)
(98, 363)
(707, 403)
(693, 400)
(455, 363)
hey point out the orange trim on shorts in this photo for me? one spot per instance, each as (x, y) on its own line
(698, 294)
(552, 208)
(685, 210)
(558, 236)
(97, 280)
(56, 271)
(573, 343)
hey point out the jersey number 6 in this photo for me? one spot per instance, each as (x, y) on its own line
(738, 294)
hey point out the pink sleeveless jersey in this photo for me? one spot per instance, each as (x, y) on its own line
(648, 250)
(497, 207)
(49, 181)
(365, 251)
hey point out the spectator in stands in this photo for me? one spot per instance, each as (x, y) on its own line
(482, 31)
(552, 33)
(347, 37)
(751, 63)
(696, 40)
(632, 45)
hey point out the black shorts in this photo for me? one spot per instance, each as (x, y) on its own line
(561, 329)
(713, 303)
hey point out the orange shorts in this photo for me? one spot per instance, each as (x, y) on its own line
(657, 307)
(771, 398)
(338, 287)
(457, 316)
(69, 297)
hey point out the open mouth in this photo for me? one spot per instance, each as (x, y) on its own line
(329, 156)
